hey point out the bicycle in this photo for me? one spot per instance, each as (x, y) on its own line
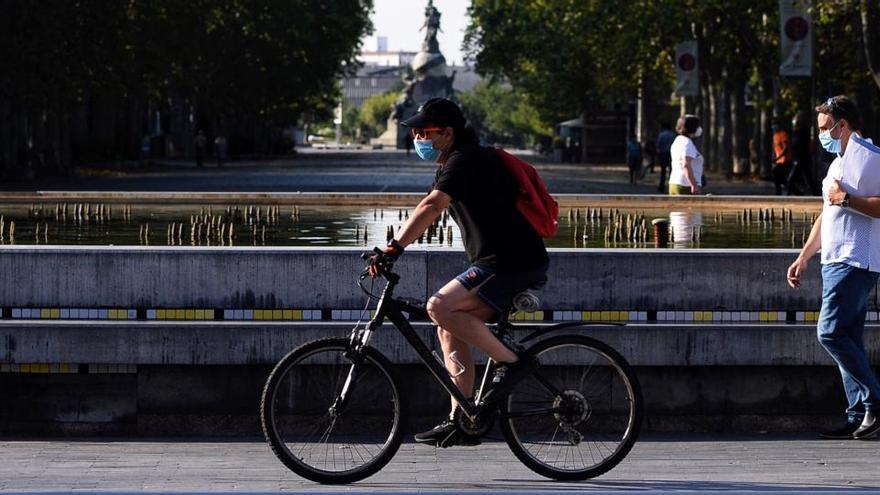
(333, 412)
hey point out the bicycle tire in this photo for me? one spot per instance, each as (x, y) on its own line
(577, 413)
(298, 395)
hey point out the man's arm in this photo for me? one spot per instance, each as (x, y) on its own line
(811, 247)
(424, 215)
(866, 205)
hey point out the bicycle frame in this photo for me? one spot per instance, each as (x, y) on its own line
(393, 309)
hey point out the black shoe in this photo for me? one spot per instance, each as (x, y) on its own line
(446, 434)
(843, 433)
(507, 375)
(869, 428)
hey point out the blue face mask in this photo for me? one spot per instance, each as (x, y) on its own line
(425, 150)
(830, 144)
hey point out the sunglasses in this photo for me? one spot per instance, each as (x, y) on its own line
(422, 132)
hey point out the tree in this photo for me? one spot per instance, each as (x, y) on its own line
(375, 112)
(261, 63)
(503, 115)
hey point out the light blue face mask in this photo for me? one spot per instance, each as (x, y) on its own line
(425, 150)
(830, 144)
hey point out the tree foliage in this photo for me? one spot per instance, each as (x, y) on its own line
(268, 61)
(503, 115)
(572, 56)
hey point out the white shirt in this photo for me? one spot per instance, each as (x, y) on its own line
(684, 146)
(848, 236)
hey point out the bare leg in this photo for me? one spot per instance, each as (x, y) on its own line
(465, 381)
(461, 315)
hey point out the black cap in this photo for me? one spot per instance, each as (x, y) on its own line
(439, 112)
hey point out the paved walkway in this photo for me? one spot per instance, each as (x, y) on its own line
(657, 464)
(355, 171)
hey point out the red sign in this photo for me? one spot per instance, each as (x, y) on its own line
(687, 62)
(797, 28)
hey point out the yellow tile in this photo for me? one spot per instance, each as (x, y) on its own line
(762, 316)
(605, 315)
(595, 315)
(586, 316)
(258, 314)
(179, 314)
(43, 368)
(539, 315)
(200, 314)
(287, 314)
(44, 313)
(189, 314)
(276, 314)
(64, 368)
(160, 314)
(209, 314)
(25, 368)
(111, 314)
(55, 313)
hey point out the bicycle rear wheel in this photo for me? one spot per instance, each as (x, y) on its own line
(320, 437)
(578, 415)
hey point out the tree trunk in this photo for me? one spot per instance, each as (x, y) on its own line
(726, 155)
(739, 126)
(869, 15)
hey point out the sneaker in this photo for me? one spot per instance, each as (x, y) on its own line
(507, 375)
(869, 428)
(444, 435)
(843, 433)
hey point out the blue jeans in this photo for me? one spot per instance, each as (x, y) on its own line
(841, 327)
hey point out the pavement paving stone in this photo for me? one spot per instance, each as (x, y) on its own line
(657, 464)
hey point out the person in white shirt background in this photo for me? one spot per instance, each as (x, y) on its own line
(848, 234)
(686, 176)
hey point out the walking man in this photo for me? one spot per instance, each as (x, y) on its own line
(848, 233)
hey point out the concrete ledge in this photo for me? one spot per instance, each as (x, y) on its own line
(324, 278)
(240, 343)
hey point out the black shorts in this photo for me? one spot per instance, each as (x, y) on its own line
(497, 289)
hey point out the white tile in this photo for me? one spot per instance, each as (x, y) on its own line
(247, 314)
(65, 313)
(102, 314)
(755, 316)
(643, 316)
(335, 314)
(132, 314)
(717, 315)
(93, 314)
(238, 314)
(16, 312)
(228, 314)
(780, 316)
(151, 314)
(661, 315)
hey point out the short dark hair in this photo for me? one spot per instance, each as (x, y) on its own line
(687, 124)
(841, 107)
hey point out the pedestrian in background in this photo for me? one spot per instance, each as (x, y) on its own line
(633, 158)
(848, 233)
(686, 176)
(200, 142)
(781, 158)
(800, 180)
(664, 159)
(220, 150)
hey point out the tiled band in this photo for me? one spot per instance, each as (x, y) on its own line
(311, 314)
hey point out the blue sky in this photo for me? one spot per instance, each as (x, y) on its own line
(400, 20)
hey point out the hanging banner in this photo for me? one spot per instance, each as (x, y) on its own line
(687, 69)
(796, 38)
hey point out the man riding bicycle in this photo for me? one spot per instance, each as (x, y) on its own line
(507, 256)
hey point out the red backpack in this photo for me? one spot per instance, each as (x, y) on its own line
(533, 201)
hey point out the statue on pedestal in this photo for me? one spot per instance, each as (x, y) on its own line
(429, 80)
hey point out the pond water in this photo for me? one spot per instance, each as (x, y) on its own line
(267, 225)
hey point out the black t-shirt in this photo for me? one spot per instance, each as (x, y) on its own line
(494, 232)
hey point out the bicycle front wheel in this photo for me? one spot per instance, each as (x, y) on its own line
(578, 415)
(331, 420)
